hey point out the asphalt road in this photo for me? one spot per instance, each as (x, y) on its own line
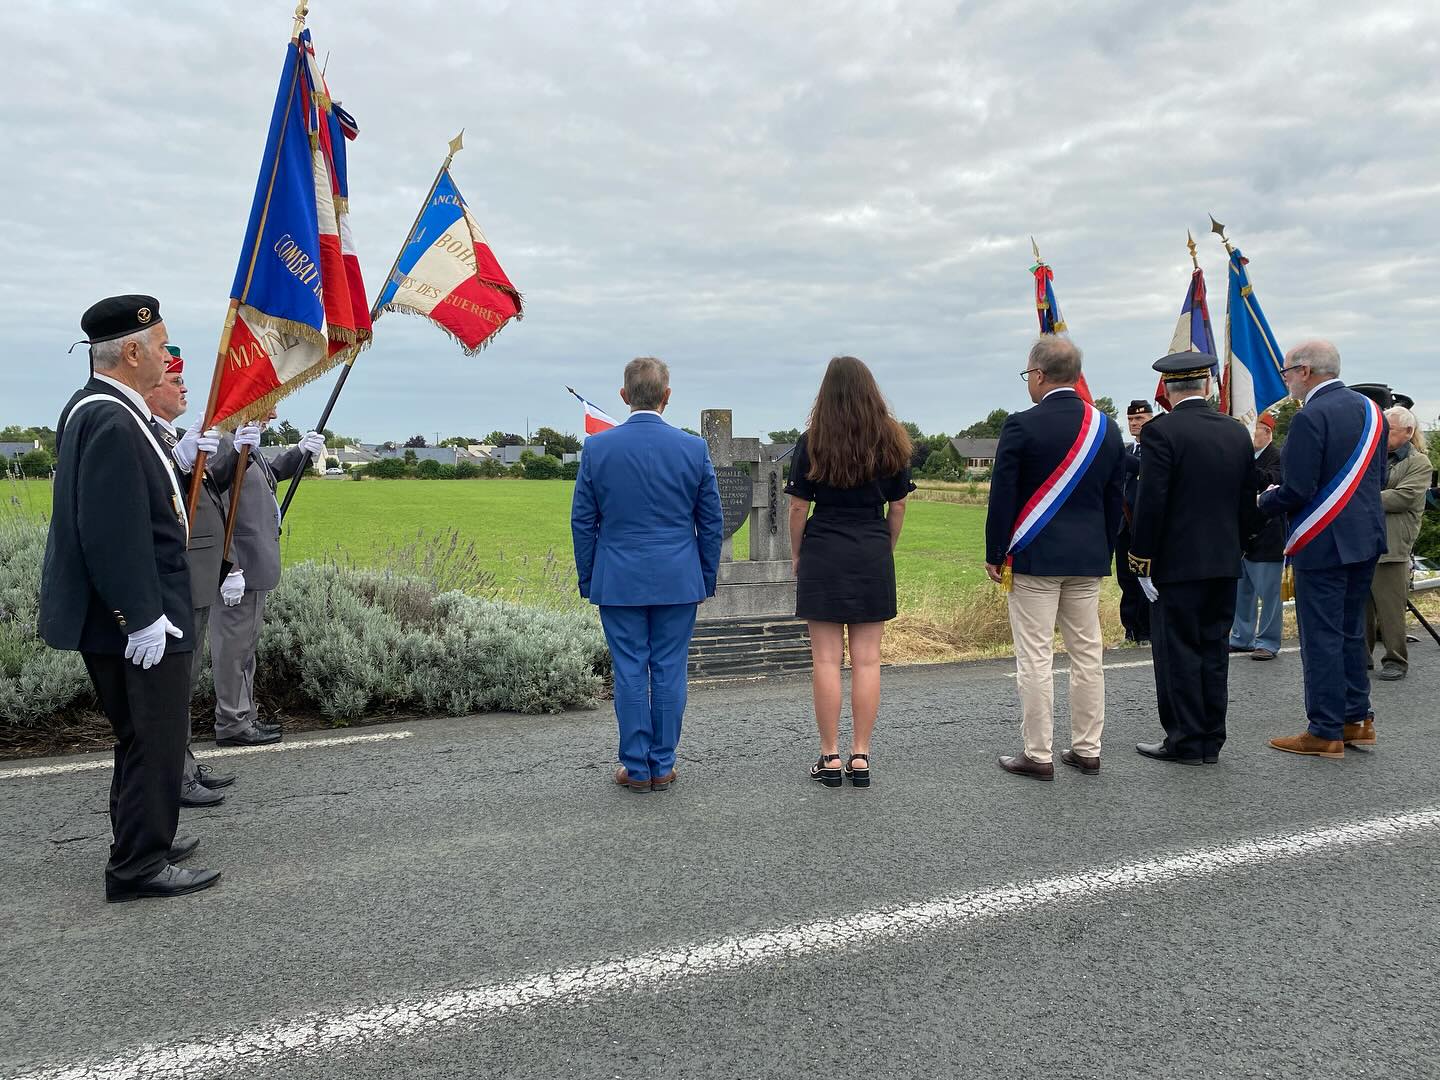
(477, 899)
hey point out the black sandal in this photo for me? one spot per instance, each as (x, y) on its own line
(858, 777)
(827, 776)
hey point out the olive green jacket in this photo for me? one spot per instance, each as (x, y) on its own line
(1404, 501)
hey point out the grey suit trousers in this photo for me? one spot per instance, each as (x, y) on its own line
(234, 637)
(197, 663)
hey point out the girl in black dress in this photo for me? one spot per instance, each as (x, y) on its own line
(852, 462)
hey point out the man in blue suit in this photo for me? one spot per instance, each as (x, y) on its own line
(646, 524)
(1334, 468)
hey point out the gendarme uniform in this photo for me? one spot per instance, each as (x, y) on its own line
(1194, 510)
(115, 568)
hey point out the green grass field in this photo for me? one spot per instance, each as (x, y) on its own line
(519, 532)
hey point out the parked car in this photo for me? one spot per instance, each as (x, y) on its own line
(334, 472)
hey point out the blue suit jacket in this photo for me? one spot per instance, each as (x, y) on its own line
(1080, 539)
(646, 517)
(1322, 437)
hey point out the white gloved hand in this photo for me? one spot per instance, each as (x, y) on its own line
(191, 441)
(233, 587)
(146, 647)
(1151, 592)
(248, 435)
(313, 443)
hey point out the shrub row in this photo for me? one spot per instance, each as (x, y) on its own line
(530, 467)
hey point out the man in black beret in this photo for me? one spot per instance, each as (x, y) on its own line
(116, 588)
(1194, 512)
(1134, 607)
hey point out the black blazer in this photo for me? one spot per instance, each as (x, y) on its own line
(1268, 545)
(1080, 539)
(1132, 484)
(115, 557)
(1196, 506)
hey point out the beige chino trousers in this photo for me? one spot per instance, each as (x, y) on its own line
(1037, 606)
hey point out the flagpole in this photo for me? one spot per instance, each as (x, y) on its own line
(1219, 230)
(456, 145)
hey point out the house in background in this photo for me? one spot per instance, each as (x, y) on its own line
(13, 451)
(975, 453)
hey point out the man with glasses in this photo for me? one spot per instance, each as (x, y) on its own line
(1333, 466)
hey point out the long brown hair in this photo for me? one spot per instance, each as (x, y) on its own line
(852, 436)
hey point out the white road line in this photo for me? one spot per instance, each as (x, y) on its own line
(1145, 663)
(223, 1055)
(205, 755)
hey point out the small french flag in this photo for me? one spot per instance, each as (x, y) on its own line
(596, 419)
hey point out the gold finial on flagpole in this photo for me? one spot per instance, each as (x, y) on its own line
(1190, 243)
(1219, 230)
(1036, 249)
(456, 145)
(301, 10)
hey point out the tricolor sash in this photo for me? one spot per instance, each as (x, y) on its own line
(1058, 486)
(1334, 496)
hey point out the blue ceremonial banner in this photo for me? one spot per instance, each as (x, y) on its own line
(1252, 358)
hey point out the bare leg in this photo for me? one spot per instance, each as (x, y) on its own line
(864, 682)
(827, 648)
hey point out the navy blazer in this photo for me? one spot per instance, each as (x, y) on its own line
(1079, 540)
(115, 557)
(646, 518)
(1322, 437)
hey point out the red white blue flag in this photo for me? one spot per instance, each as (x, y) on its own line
(1193, 334)
(1047, 308)
(299, 302)
(448, 274)
(596, 419)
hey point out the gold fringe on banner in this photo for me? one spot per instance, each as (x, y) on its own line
(500, 321)
(1287, 583)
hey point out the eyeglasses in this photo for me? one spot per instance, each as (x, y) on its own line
(1026, 373)
(1293, 367)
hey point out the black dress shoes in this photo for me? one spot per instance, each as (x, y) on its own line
(1021, 765)
(212, 779)
(181, 848)
(172, 881)
(252, 736)
(1161, 751)
(193, 793)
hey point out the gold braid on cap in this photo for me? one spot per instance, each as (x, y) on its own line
(1181, 376)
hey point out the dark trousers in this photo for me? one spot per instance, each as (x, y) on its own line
(149, 713)
(1330, 608)
(1134, 606)
(1191, 624)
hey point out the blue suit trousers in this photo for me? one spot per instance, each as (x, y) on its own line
(1259, 586)
(1330, 606)
(649, 652)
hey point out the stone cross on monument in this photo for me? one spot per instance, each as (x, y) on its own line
(763, 586)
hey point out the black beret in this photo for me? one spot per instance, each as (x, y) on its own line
(1184, 365)
(1403, 399)
(1376, 392)
(117, 316)
(1139, 405)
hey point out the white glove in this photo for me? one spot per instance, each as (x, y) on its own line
(146, 647)
(191, 441)
(233, 587)
(1150, 590)
(248, 435)
(313, 443)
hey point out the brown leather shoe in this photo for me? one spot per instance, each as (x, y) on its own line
(1309, 745)
(1262, 654)
(1361, 734)
(662, 783)
(1021, 765)
(1087, 765)
(622, 777)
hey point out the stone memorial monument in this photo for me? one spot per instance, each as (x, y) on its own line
(749, 627)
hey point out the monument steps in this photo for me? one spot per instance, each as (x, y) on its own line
(748, 647)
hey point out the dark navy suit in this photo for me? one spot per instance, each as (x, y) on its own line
(1333, 571)
(647, 529)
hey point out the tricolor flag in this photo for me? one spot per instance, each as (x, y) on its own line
(447, 272)
(298, 304)
(1252, 358)
(596, 419)
(1047, 308)
(1193, 334)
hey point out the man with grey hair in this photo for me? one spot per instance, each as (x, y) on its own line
(1054, 516)
(1333, 465)
(647, 529)
(115, 587)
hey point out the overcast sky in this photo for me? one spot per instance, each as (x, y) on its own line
(745, 189)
